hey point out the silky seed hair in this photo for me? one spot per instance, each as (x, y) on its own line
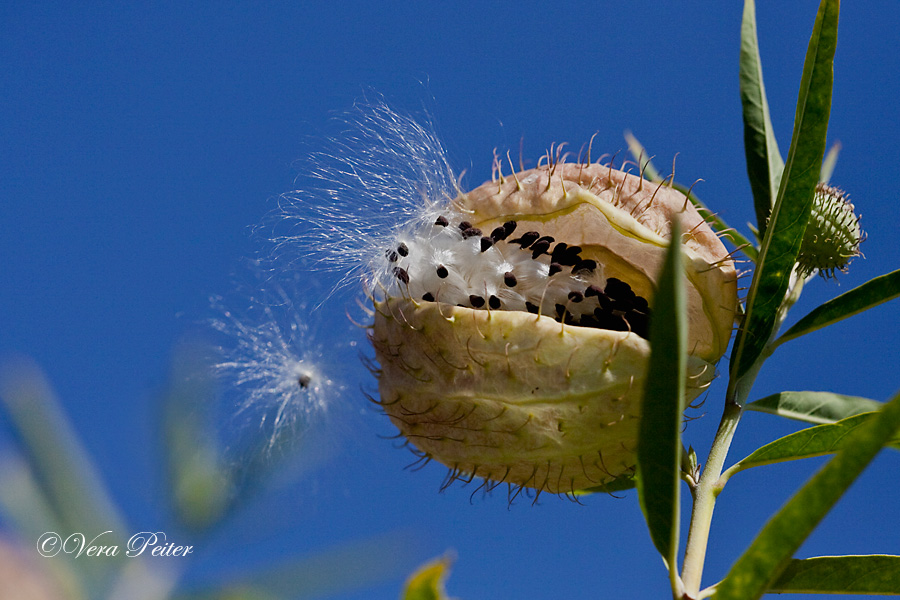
(384, 175)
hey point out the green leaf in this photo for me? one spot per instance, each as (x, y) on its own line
(771, 551)
(790, 215)
(717, 223)
(814, 441)
(872, 574)
(659, 437)
(829, 162)
(764, 162)
(427, 583)
(814, 407)
(62, 468)
(868, 295)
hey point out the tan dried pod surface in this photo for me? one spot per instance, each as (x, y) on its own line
(522, 359)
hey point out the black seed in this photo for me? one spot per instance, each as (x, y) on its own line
(477, 301)
(509, 227)
(540, 247)
(570, 256)
(558, 251)
(576, 296)
(442, 221)
(494, 302)
(560, 309)
(498, 234)
(428, 297)
(403, 249)
(584, 267)
(401, 274)
(641, 305)
(464, 225)
(619, 290)
(471, 232)
(554, 268)
(442, 271)
(509, 279)
(593, 290)
(486, 243)
(532, 308)
(304, 380)
(391, 255)
(527, 239)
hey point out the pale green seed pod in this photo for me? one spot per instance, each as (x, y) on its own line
(523, 360)
(833, 235)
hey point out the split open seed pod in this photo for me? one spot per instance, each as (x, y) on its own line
(510, 328)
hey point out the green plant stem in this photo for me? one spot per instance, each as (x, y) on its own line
(709, 486)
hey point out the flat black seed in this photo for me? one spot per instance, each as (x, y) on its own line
(304, 380)
(477, 301)
(560, 309)
(428, 297)
(509, 279)
(442, 221)
(442, 272)
(401, 274)
(584, 267)
(403, 249)
(554, 268)
(532, 308)
(391, 255)
(498, 234)
(593, 290)
(539, 247)
(509, 227)
(464, 225)
(486, 243)
(558, 251)
(494, 302)
(576, 296)
(618, 289)
(527, 239)
(471, 232)
(570, 257)
(640, 304)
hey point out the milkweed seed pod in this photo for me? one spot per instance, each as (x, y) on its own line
(510, 328)
(833, 235)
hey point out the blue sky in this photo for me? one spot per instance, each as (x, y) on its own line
(140, 145)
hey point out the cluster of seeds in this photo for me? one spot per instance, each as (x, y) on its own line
(455, 263)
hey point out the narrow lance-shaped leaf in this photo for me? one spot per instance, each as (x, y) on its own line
(764, 162)
(649, 172)
(769, 554)
(814, 407)
(790, 215)
(867, 574)
(659, 442)
(868, 295)
(813, 441)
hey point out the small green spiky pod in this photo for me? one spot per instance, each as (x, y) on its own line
(511, 327)
(833, 235)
